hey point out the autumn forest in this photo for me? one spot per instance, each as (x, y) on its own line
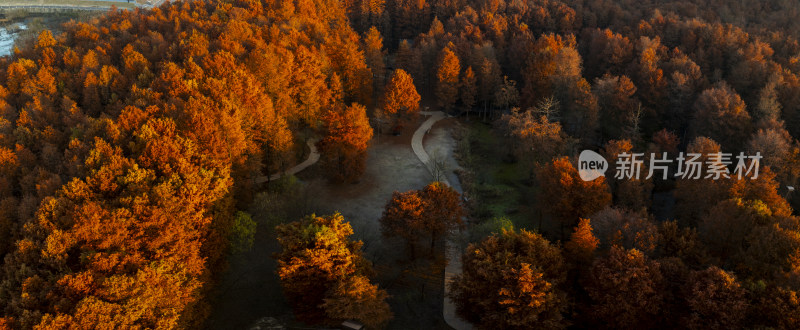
(402, 164)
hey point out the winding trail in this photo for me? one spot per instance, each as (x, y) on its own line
(419, 134)
(452, 251)
(313, 157)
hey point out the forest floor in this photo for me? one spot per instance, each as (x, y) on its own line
(250, 289)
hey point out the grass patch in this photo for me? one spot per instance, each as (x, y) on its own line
(495, 187)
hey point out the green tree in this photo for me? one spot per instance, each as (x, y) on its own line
(243, 232)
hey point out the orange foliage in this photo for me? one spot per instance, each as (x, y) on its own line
(321, 271)
(511, 280)
(123, 141)
(347, 137)
(400, 101)
(626, 288)
(582, 243)
(566, 196)
(447, 78)
(435, 210)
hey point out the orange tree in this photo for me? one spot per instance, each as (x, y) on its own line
(447, 78)
(400, 100)
(566, 197)
(344, 147)
(435, 211)
(626, 288)
(716, 300)
(323, 273)
(583, 243)
(512, 280)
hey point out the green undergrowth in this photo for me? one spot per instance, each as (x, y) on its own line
(496, 188)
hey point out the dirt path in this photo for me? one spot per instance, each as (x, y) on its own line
(419, 134)
(452, 250)
(312, 159)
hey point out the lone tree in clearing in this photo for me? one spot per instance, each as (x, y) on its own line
(435, 211)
